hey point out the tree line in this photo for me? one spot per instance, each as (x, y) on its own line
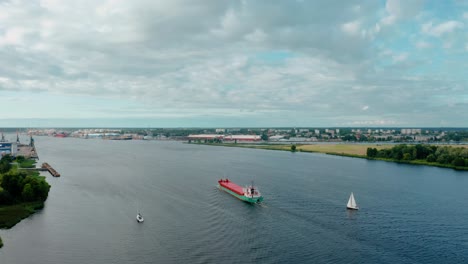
(18, 186)
(454, 156)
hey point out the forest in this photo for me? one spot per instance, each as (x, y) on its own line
(455, 157)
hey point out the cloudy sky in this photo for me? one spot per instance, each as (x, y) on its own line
(233, 63)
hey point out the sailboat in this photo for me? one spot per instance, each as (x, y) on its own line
(139, 218)
(352, 203)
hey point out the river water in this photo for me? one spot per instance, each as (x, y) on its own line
(409, 214)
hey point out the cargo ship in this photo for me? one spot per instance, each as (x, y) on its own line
(248, 194)
(61, 135)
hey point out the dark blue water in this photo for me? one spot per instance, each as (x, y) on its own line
(409, 214)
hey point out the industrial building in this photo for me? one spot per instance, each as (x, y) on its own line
(237, 138)
(242, 138)
(205, 137)
(8, 148)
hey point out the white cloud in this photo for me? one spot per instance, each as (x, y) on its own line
(351, 27)
(256, 36)
(400, 57)
(54, 5)
(226, 55)
(448, 44)
(13, 36)
(422, 45)
(389, 20)
(376, 122)
(400, 10)
(403, 8)
(465, 15)
(442, 28)
(230, 23)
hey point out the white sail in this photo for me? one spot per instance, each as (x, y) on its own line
(139, 217)
(351, 202)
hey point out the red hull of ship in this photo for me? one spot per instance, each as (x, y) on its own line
(231, 186)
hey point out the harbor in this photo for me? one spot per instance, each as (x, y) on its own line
(28, 151)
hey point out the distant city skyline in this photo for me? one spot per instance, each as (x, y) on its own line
(392, 63)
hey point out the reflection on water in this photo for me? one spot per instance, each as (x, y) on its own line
(352, 214)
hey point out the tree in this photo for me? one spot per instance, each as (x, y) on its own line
(396, 154)
(407, 156)
(27, 194)
(12, 182)
(431, 158)
(459, 162)
(372, 152)
(264, 137)
(349, 138)
(443, 159)
(20, 158)
(293, 148)
(5, 198)
(5, 165)
(423, 151)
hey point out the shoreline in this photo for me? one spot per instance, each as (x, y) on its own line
(11, 215)
(19, 208)
(347, 150)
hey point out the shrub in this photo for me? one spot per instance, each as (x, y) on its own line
(293, 148)
(431, 158)
(459, 162)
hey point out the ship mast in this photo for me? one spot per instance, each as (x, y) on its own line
(252, 189)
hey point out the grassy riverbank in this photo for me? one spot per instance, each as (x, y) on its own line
(347, 150)
(28, 163)
(352, 150)
(22, 192)
(12, 214)
(358, 150)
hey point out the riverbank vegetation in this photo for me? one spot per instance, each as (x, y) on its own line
(431, 155)
(357, 150)
(25, 163)
(442, 156)
(21, 192)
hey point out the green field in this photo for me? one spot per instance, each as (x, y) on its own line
(13, 214)
(358, 150)
(349, 150)
(28, 163)
(341, 149)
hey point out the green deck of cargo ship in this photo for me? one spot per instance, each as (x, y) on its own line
(242, 197)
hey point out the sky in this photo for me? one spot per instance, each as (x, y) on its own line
(227, 63)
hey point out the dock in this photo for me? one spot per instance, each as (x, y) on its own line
(51, 170)
(27, 151)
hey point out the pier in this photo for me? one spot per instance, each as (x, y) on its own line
(51, 170)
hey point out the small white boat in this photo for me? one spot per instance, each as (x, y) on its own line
(352, 203)
(139, 218)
